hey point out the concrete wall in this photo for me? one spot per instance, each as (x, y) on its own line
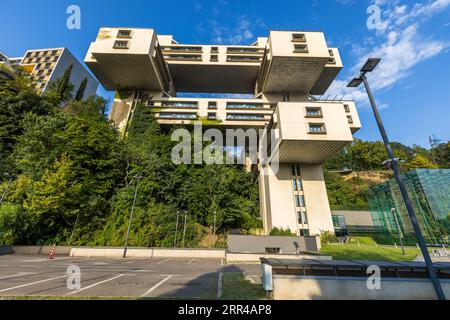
(356, 218)
(349, 288)
(256, 258)
(35, 250)
(258, 244)
(148, 253)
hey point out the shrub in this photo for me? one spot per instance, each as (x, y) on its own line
(282, 232)
(328, 236)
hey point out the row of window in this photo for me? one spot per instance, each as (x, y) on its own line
(299, 198)
(241, 116)
(173, 115)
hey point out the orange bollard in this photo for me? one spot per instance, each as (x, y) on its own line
(52, 253)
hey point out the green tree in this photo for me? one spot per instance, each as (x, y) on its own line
(62, 89)
(80, 92)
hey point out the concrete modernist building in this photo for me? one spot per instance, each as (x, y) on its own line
(281, 73)
(48, 65)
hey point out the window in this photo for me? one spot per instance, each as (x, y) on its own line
(298, 37)
(245, 117)
(331, 53)
(299, 201)
(347, 108)
(214, 58)
(350, 119)
(273, 250)
(295, 170)
(180, 104)
(297, 184)
(212, 116)
(302, 217)
(304, 232)
(120, 44)
(331, 61)
(317, 128)
(301, 48)
(243, 105)
(314, 112)
(168, 115)
(212, 105)
(214, 49)
(124, 34)
(243, 58)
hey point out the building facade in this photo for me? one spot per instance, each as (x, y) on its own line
(48, 65)
(429, 190)
(280, 75)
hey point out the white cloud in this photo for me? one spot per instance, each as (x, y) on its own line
(400, 45)
(241, 33)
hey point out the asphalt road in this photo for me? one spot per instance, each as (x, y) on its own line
(150, 278)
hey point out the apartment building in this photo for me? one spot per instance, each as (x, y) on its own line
(48, 65)
(281, 75)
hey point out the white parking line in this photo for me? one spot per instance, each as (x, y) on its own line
(95, 284)
(191, 261)
(33, 283)
(159, 262)
(19, 274)
(156, 286)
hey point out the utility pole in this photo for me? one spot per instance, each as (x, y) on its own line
(131, 217)
(176, 231)
(394, 213)
(184, 231)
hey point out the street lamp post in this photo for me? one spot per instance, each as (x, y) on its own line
(176, 230)
(184, 231)
(7, 188)
(131, 218)
(369, 66)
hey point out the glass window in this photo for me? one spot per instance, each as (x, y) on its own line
(304, 233)
(124, 34)
(317, 128)
(314, 112)
(120, 44)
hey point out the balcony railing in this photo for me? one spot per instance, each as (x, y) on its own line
(244, 58)
(183, 57)
(180, 104)
(177, 116)
(245, 117)
(244, 50)
(244, 105)
(183, 49)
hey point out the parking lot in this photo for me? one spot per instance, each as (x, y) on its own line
(36, 276)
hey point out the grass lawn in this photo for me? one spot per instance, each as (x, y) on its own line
(365, 252)
(236, 287)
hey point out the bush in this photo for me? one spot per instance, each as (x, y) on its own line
(328, 237)
(282, 232)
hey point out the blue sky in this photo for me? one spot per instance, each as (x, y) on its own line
(412, 84)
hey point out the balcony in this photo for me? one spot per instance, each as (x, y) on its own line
(245, 117)
(182, 57)
(233, 58)
(180, 104)
(244, 105)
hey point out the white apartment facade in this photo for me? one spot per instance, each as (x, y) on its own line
(48, 65)
(282, 73)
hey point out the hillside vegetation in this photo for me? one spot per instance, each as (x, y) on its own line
(74, 178)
